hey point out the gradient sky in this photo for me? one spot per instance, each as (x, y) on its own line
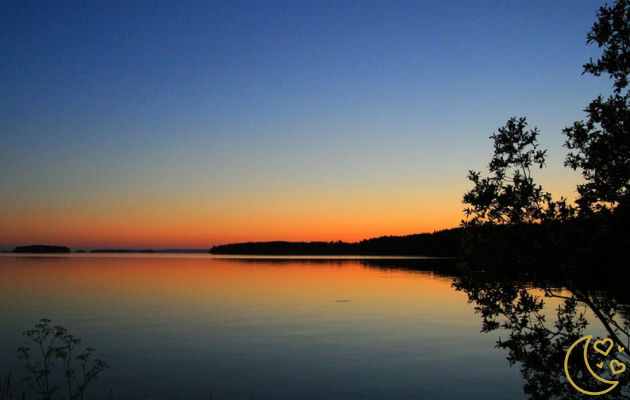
(164, 124)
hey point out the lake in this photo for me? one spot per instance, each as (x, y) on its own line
(185, 326)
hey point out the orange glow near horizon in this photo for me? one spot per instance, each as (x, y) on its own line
(187, 225)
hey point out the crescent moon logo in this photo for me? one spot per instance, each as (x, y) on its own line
(612, 384)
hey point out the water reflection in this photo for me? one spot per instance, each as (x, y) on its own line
(543, 319)
(442, 267)
(181, 327)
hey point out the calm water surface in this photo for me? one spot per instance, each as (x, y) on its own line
(179, 327)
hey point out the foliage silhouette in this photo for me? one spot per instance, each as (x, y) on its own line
(509, 195)
(601, 145)
(517, 239)
(507, 302)
(56, 344)
(508, 214)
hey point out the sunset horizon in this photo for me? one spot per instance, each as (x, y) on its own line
(316, 199)
(168, 244)
(189, 126)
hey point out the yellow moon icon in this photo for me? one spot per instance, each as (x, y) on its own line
(566, 369)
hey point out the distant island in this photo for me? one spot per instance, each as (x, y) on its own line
(41, 248)
(444, 243)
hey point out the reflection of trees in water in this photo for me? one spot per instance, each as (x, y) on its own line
(512, 224)
(435, 265)
(538, 340)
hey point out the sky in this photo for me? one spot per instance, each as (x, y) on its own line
(166, 124)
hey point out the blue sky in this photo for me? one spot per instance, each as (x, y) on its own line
(186, 124)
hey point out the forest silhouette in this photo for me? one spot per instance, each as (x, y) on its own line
(517, 238)
(437, 244)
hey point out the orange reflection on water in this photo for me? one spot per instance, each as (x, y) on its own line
(225, 321)
(123, 283)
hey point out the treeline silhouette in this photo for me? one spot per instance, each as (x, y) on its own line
(444, 243)
(41, 248)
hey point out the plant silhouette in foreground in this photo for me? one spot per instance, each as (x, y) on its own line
(55, 344)
(5, 384)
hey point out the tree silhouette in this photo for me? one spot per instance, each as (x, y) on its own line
(601, 144)
(517, 238)
(509, 195)
(538, 344)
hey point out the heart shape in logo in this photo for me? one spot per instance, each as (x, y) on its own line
(601, 364)
(620, 348)
(610, 345)
(622, 367)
